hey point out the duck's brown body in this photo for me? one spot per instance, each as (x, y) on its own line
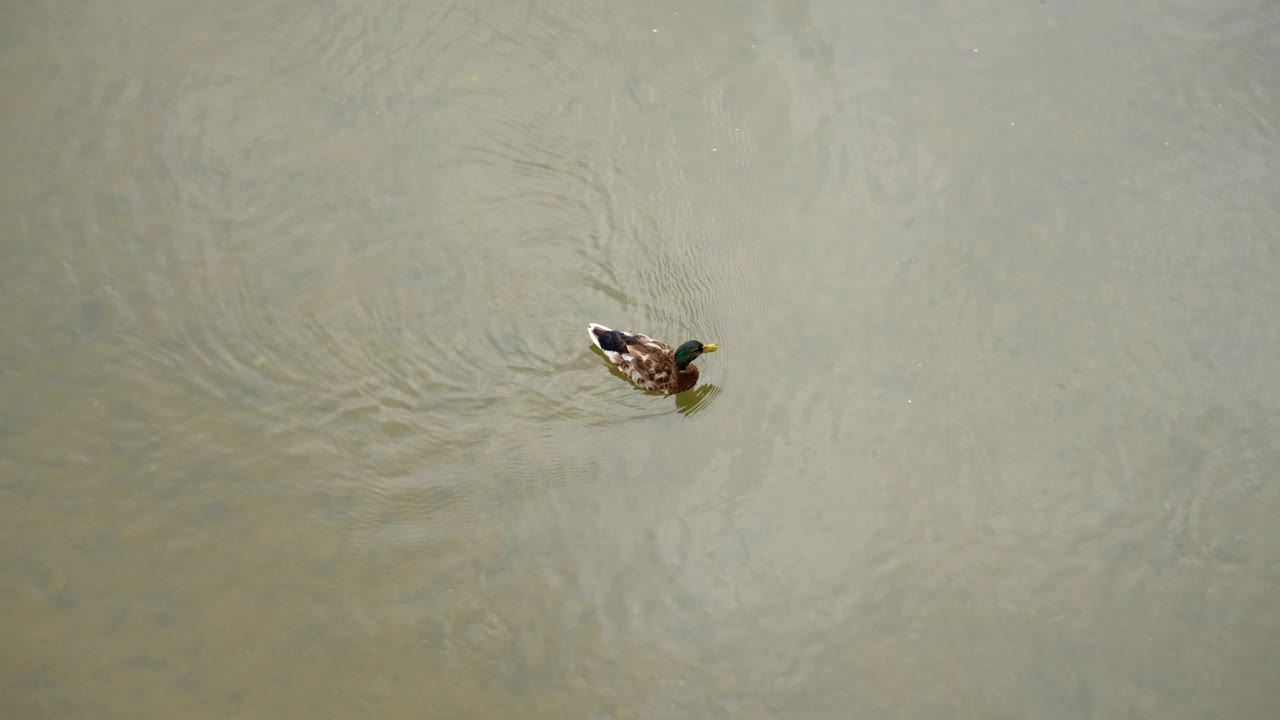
(684, 380)
(648, 363)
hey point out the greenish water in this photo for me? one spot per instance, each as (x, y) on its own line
(298, 417)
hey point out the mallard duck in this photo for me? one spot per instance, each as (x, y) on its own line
(650, 364)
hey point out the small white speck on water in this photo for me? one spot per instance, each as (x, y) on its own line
(975, 49)
(655, 29)
(713, 149)
(1012, 124)
(908, 402)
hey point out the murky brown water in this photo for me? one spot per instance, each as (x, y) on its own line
(298, 417)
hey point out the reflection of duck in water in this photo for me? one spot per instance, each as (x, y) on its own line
(650, 364)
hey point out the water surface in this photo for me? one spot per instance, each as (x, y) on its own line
(298, 415)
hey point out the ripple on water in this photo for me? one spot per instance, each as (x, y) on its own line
(424, 358)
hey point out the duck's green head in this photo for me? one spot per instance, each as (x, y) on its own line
(688, 352)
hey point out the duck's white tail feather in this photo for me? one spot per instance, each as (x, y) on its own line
(591, 332)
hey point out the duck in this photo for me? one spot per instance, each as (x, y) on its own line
(650, 364)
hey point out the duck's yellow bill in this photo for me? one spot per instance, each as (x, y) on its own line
(709, 347)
